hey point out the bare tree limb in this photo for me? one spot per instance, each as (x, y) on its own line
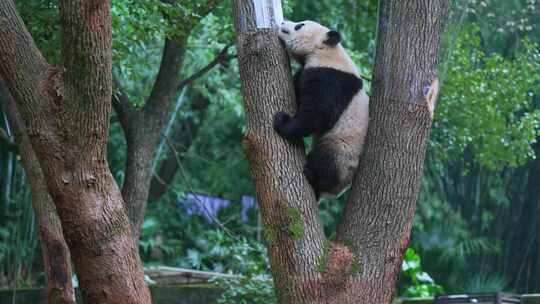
(182, 137)
(165, 86)
(222, 58)
(144, 126)
(122, 105)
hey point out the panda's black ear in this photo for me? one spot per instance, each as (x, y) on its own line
(333, 38)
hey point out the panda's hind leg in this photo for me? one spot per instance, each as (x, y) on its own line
(321, 170)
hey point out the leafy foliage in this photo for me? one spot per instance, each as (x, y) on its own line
(43, 21)
(252, 289)
(417, 282)
(19, 250)
(488, 93)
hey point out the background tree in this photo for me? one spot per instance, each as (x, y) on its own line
(143, 125)
(54, 249)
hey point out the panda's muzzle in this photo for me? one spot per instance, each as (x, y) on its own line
(285, 31)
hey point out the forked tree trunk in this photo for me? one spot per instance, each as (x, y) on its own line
(54, 249)
(66, 112)
(142, 128)
(363, 265)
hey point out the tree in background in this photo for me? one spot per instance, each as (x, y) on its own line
(143, 125)
(66, 112)
(55, 252)
(362, 265)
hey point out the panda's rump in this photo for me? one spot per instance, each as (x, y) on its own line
(332, 165)
(335, 155)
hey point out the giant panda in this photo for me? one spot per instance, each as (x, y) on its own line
(332, 106)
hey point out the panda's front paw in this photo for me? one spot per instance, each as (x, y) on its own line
(279, 120)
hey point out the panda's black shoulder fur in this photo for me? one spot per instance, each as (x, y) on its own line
(327, 91)
(322, 94)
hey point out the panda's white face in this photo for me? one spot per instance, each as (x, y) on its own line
(306, 37)
(314, 45)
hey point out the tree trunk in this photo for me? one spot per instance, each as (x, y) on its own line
(143, 131)
(292, 227)
(378, 217)
(54, 249)
(363, 265)
(66, 112)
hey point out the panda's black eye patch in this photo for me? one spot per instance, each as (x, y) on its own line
(299, 26)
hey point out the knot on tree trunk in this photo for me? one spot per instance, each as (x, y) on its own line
(431, 93)
(254, 152)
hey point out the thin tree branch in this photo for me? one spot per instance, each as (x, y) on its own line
(7, 142)
(122, 105)
(183, 137)
(222, 58)
(214, 220)
(167, 79)
(165, 86)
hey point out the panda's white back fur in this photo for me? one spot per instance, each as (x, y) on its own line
(345, 140)
(348, 135)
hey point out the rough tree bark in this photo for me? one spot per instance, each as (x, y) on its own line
(66, 111)
(55, 252)
(292, 227)
(362, 265)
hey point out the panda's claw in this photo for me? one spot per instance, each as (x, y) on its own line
(280, 119)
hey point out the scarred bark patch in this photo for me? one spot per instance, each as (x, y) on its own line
(431, 93)
(340, 265)
(336, 269)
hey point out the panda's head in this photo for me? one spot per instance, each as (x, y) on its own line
(308, 37)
